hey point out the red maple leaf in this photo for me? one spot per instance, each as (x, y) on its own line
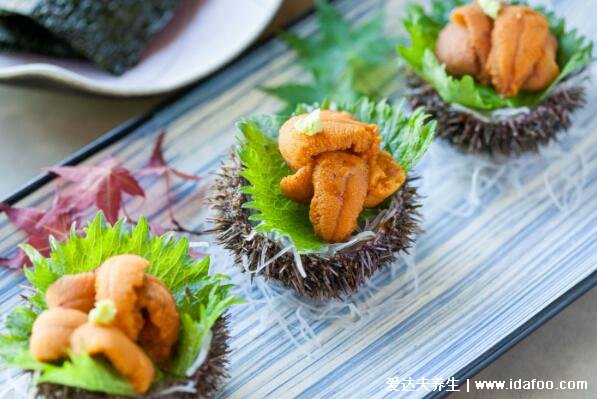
(39, 225)
(157, 166)
(103, 185)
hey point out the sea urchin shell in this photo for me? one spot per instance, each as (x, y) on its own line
(327, 276)
(206, 380)
(524, 132)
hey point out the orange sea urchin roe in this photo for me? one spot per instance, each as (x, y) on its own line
(547, 69)
(520, 40)
(75, 291)
(131, 305)
(340, 183)
(160, 331)
(340, 131)
(125, 355)
(465, 43)
(299, 186)
(338, 170)
(514, 52)
(386, 176)
(455, 51)
(119, 279)
(50, 335)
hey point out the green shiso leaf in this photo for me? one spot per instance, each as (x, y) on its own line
(192, 335)
(15, 343)
(83, 371)
(264, 167)
(405, 137)
(19, 322)
(201, 299)
(344, 62)
(574, 53)
(200, 305)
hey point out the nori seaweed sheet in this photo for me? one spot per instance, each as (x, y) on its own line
(21, 34)
(112, 34)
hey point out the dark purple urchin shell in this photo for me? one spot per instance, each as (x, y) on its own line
(511, 136)
(327, 276)
(208, 378)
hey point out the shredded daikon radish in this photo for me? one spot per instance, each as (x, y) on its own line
(359, 238)
(263, 264)
(298, 262)
(251, 235)
(189, 387)
(497, 115)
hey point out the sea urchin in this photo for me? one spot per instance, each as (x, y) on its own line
(118, 312)
(508, 135)
(327, 275)
(501, 78)
(321, 199)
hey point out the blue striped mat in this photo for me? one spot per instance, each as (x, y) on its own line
(502, 241)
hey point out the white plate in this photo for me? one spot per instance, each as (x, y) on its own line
(203, 36)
